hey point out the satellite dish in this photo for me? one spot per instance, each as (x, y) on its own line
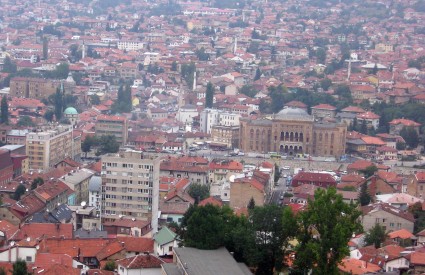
(120, 215)
(26, 190)
(232, 178)
(28, 239)
(37, 247)
(12, 243)
(83, 203)
(133, 219)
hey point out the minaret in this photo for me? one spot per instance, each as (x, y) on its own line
(7, 39)
(235, 46)
(349, 69)
(243, 16)
(83, 54)
(194, 81)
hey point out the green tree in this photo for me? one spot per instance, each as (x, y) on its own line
(419, 216)
(324, 230)
(251, 204)
(37, 182)
(110, 265)
(411, 137)
(364, 196)
(363, 127)
(4, 118)
(87, 144)
(45, 48)
(187, 72)
(123, 103)
(375, 236)
(369, 171)
(94, 99)
(202, 55)
(108, 144)
(325, 83)
(257, 74)
(59, 104)
(20, 190)
(2, 271)
(206, 227)
(20, 268)
(321, 55)
(174, 66)
(276, 173)
(209, 96)
(199, 191)
(25, 121)
(9, 66)
(375, 69)
(49, 115)
(248, 90)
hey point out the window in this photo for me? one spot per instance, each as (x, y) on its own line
(28, 259)
(170, 248)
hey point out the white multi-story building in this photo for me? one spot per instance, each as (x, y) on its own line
(130, 186)
(95, 188)
(130, 45)
(186, 113)
(212, 117)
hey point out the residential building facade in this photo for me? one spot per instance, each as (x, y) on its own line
(130, 186)
(113, 125)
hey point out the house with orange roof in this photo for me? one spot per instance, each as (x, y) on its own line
(323, 111)
(357, 267)
(220, 169)
(417, 262)
(371, 119)
(416, 184)
(194, 168)
(396, 125)
(390, 217)
(243, 189)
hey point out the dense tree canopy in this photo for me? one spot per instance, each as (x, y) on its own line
(199, 191)
(325, 229)
(375, 236)
(123, 103)
(4, 117)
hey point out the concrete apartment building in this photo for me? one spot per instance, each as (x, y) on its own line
(32, 87)
(130, 186)
(48, 146)
(212, 117)
(113, 125)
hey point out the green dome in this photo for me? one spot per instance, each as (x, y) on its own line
(70, 111)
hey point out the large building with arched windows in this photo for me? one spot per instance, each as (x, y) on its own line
(292, 131)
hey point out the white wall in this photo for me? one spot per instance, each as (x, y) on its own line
(16, 253)
(144, 271)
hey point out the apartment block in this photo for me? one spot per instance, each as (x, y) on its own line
(130, 186)
(32, 87)
(48, 146)
(113, 125)
(211, 117)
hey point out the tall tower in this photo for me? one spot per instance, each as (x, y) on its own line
(83, 51)
(235, 47)
(194, 81)
(349, 69)
(7, 39)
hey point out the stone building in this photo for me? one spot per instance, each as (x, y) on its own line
(292, 131)
(32, 87)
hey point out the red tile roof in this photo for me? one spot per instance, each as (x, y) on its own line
(401, 234)
(111, 249)
(324, 106)
(357, 267)
(111, 118)
(141, 261)
(211, 200)
(38, 230)
(405, 122)
(137, 244)
(368, 115)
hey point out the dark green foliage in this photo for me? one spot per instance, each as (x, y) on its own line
(324, 230)
(110, 265)
(36, 182)
(257, 74)
(108, 144)
(45, 47)
(48, 115)
(411, 137)
(59, 104)
(375, 236)
(123, 103)
(364, 196)
(20, 268)
(209, 96)
(9, 66)
(202, 55)
(251, 204)
(174, 66)
(326, 84)
(207, 227)
(199, 191)
(25, 121)
(20, 190)
(419, 215)
(369, 171)
(61, 72)
(94, 99)
(2, 271)
(248, 90)
(276, 173)
(187, 72)
(88, 142)
(4, 117)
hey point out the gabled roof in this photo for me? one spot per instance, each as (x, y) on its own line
(141, 261)
(211, 200)
(164, 236)
(324, 106)
(137, 244)
(405, 122)
(357, 267)
(389, 209)
(38, 230)
(111, 249)
(401, 234)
